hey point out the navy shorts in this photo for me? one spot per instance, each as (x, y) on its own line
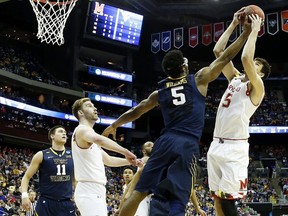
(170, 168)
(47, 206)
(158, 207)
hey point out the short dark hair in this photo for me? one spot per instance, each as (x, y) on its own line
(266, 69)
(53, 130)
(129, 167)
(172, 62)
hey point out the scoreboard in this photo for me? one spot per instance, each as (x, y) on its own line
(114, 23)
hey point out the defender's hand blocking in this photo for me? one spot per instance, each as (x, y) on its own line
(238, 14)
(110, 131)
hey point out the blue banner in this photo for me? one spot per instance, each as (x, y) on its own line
(155, 43)
(166, 41)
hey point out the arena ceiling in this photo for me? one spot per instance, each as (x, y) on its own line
(191, 11)
(170, 11)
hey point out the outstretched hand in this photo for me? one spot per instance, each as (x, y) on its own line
(256, 22)
(139, 163)
(110, 130)
(131, 158)
(246, 25)
(201, 212)
(238, 15)
(26, 204)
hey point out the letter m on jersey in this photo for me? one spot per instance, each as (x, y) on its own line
(243, 185)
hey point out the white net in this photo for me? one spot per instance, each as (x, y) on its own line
(51, 18)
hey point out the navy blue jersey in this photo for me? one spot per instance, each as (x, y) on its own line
(182, 105)
(55, 174)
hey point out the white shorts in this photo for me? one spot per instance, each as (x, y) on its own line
(90, 199)
(227, 165)
(144, 207)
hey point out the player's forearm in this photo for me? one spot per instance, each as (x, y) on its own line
(109, 144)
(249, 48)
(234, 48)
(194, 200)
(24, 184)
(116, 162)
(126, 117)
(223, 40)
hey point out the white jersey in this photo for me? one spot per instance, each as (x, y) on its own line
(144, 207)
(234, 112)
(88, 163)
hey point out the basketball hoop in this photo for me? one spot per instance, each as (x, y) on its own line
(51, 18)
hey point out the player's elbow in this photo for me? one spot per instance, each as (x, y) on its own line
(245, 59)
(217, 52)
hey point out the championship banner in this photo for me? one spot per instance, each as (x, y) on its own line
(166, 41)
(193, 36)
(155, 43)
(206, 34)
(218, 30)
(262, 31)
(272, 23)
(178, 37)
(234, 34)
(284, 20)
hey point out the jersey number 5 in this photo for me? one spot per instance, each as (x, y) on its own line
(179, 97)
(227, 100)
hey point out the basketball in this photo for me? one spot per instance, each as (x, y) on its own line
(252, 9)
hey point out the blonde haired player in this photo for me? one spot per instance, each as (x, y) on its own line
(89, 160)
(227, 158)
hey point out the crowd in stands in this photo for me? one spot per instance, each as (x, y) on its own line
(273, 110)
(15, 160)
(22, 62)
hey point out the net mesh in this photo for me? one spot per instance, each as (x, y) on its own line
(51, 18)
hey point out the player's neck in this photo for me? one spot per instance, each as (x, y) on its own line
(86, 122)
(58, 147)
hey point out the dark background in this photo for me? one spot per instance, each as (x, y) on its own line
(17, 19)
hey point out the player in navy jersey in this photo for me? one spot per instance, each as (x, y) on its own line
(181, 97)
(56, 172)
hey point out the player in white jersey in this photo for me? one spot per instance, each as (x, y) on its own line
(227, 158)
(144, 206)
(128, 174)
(89, 160)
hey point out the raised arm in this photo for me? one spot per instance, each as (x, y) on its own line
(132, 114)
(207, 74)
(229, 70)
(257, 85)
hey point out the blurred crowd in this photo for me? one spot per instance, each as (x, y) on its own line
(14, 161)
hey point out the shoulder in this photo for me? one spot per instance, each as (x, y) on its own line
(38, 157)
(82, 129)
